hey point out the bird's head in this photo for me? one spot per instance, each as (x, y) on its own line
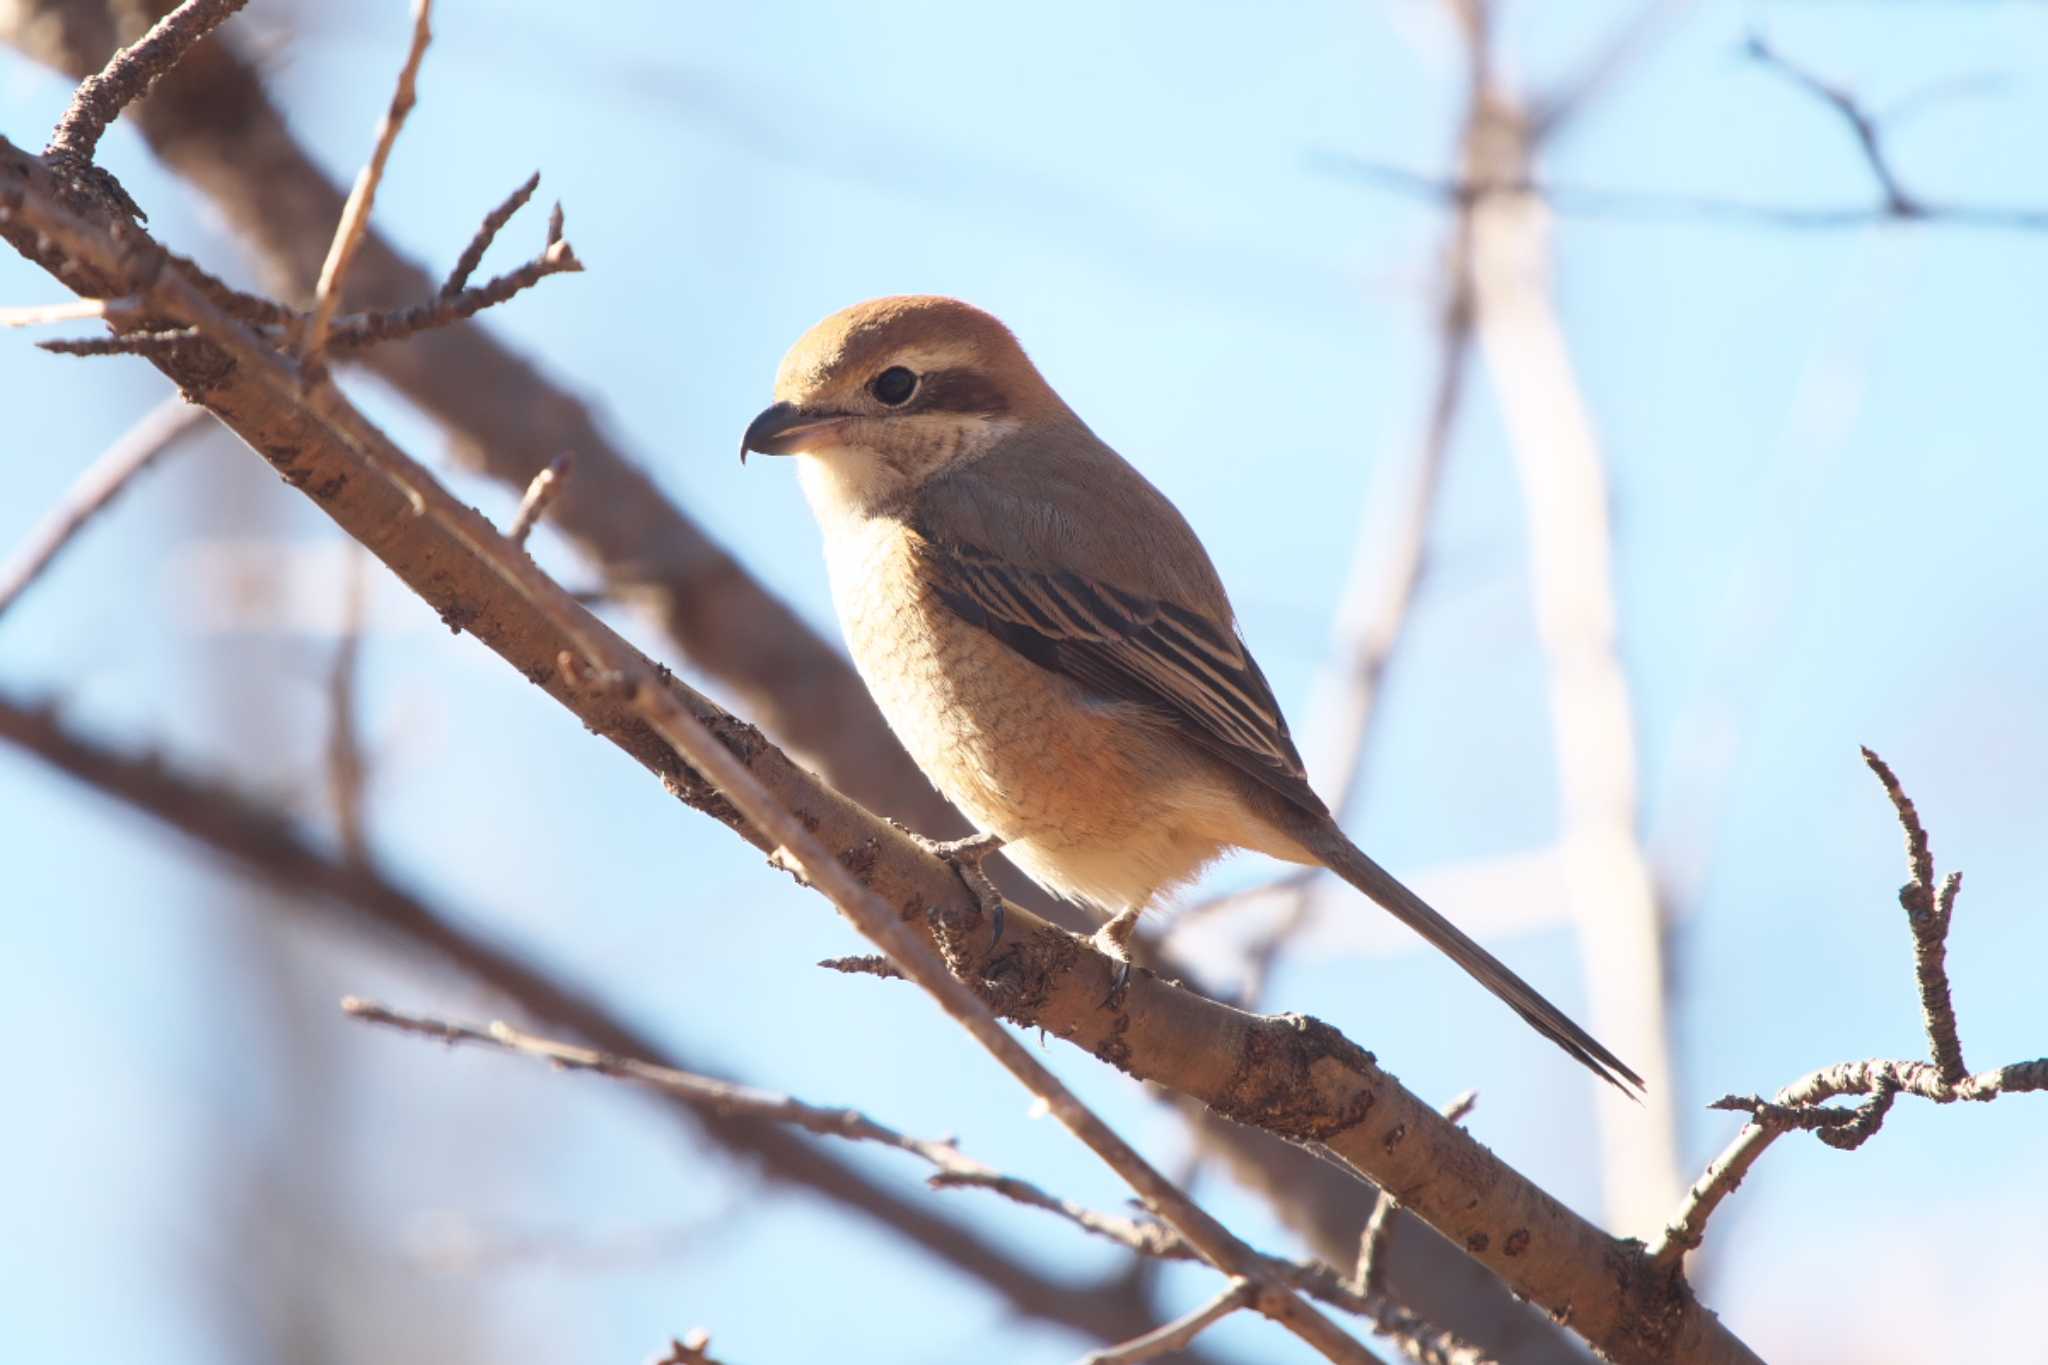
(880, 397)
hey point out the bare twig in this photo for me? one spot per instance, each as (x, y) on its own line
(1179, 1333)
(473, 254)
(354, 333)
(42, 314)
(136, 450)
(1372, 1242)
(128, 343)
(864, 964)
(1897, 203)
(99, 99)
(355, 214)
(540, 495)
(1928, 912)
(1803, 1104)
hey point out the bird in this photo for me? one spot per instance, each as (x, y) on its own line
(1047, 637)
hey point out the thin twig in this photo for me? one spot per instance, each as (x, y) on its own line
(540, 495)
(355, 214)
(473, 254)
(367, 329)
(1179, 1333)
(100, 98)
(1928, 911)
(864, 964)
(1897, 202)
(43, 314)
(136, 450)
(128, 343)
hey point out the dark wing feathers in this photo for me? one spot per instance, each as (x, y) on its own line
(1125, 647)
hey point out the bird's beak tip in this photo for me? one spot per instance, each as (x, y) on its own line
(783, 429)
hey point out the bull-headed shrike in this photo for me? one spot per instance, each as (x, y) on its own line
(1046, 635)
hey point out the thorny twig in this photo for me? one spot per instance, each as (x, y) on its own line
(1803, 1104)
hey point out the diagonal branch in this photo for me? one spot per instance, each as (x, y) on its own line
(162, 427)
(212, 121)
(1293, 1076)
(355, 213)
(102, 96)
(1862, 123)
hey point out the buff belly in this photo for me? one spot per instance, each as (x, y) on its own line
(1088, 803)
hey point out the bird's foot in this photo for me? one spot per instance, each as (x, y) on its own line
(1113, 940)
(964, 857)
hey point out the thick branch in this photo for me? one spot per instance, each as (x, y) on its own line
(1290, 1075)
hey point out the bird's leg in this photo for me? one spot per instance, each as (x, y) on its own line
(964, 857)
(1113, 940)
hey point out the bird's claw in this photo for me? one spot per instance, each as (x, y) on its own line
(1113, 940)
(964, 857)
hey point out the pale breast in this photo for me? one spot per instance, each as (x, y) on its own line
(1085, 797)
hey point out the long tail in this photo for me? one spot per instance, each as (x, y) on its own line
(1343, 857)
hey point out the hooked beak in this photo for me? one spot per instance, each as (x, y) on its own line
(785, 429)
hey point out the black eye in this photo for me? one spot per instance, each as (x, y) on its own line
(893, 386)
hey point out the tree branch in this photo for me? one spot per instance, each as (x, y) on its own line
(1803, 1104)
(137, 449)
(362, 197)
(1291, 1075)
(102, 96)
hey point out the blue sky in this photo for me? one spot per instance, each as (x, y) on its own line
(1827, 498)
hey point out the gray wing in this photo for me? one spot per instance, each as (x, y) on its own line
(1125, 647)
